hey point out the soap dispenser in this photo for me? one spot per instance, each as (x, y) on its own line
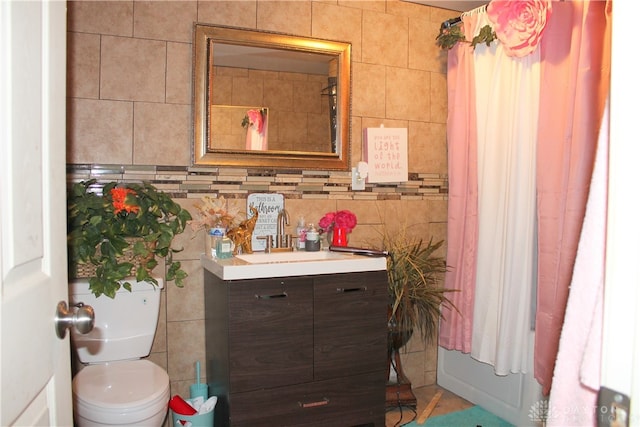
(312, 239)
(224, 248)
(301, 232)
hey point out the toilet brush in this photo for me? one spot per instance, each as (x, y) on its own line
(198, 389)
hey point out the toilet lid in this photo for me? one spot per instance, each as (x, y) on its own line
(121, 384)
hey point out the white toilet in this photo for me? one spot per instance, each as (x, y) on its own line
(115, 386)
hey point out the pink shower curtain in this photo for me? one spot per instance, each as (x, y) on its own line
(575, 54)
(462, 225)
(575, 80)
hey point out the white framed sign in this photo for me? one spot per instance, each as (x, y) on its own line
(268, 206)
(385, 151)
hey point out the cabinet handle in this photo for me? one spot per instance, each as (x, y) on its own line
(282, 295)
(322, 402)
(343, 290)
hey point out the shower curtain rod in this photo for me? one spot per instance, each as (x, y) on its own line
(450, 22)
(454, 21)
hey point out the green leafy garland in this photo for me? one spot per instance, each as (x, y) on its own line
(449, 36)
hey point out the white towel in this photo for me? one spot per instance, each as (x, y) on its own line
(576, 377)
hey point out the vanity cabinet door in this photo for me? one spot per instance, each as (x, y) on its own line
(270, 333)
(350, 329)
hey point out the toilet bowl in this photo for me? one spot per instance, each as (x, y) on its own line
(130, 393)
(116, 386)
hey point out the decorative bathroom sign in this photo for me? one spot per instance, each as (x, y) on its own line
(268, 206)
(385, 150)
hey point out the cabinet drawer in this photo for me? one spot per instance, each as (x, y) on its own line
(271, 333)
(350, 328)
(341, 402)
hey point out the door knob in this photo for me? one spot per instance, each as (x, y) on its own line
(82, 319)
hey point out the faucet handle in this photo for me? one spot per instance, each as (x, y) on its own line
(268, 242)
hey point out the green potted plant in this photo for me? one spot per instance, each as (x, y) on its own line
(416, 298)
(416, 294)
(120, 233)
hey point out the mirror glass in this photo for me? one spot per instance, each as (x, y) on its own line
(270, 100)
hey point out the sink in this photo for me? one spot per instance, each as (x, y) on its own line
(298, 256)
(284, 264)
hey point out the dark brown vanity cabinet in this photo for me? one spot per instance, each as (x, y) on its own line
(291, 351)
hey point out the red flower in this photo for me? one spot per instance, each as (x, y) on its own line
(519, 24)
(343, 219)
(119, 196)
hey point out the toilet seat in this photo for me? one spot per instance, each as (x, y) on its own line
(126, 392)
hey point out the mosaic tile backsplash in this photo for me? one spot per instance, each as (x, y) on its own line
(193, 182)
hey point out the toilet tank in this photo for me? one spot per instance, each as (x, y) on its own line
(124, 326)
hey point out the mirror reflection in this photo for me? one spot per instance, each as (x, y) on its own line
(266, 99)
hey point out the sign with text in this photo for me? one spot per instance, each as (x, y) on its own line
(268, 206)
(385, 150)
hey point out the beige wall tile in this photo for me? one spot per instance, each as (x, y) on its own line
(160, 339)
(133, 69)
(414, 368)
(407, 94)
(334, 22)
(101, 17)
(428, 147)
(186, 346)
(438, 16)
(408, 9)
(378, 6)
(161, 134)
(438, 92)
(247, 91)
(83, 65)
(368, 85)
(356, 140)
(385, 39)
(179, 59)
(192, 241)
(278, 94)
(99, 131)
(165, 20)
(230, 12)
(424, 54)
(306, 97)
(291, 17)
(187, 303)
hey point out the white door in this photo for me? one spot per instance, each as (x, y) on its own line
(35, 369)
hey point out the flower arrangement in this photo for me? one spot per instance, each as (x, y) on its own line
(255, 118)
(213, 212)
(100, 228)
(343, 219)
(517, 24)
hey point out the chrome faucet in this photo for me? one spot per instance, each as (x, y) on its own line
(282, 239)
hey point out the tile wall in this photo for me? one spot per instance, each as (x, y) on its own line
(129, 118)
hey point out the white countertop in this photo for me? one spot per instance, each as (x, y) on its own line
(296, 264)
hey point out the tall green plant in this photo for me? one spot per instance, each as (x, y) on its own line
(416, 295)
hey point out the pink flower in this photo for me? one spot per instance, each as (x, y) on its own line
(519, 24)
(343, 219)
(255, 117)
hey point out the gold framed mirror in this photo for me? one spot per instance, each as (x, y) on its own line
(270, 100)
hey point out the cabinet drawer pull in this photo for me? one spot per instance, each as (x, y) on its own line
(361, 289)
(322, 402)
(282, 295)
